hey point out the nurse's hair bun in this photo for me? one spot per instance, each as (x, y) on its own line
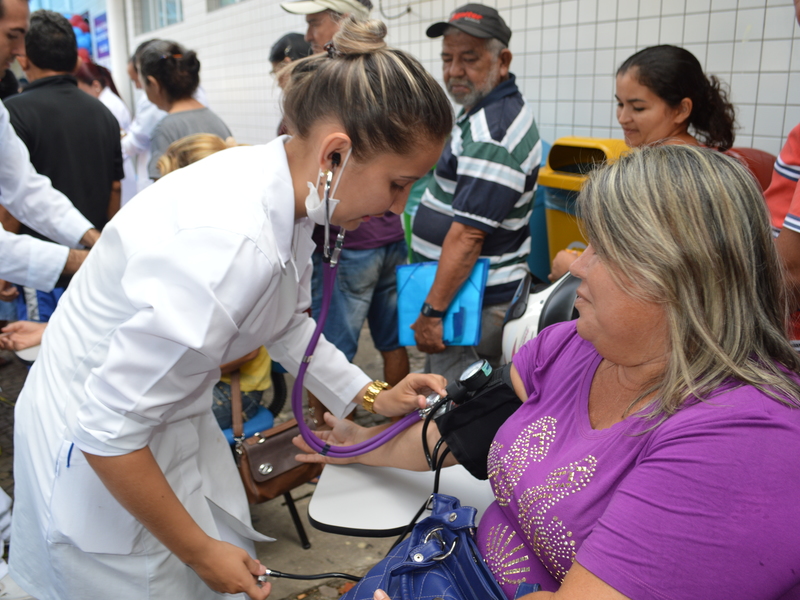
(357, 37)
(384, 99)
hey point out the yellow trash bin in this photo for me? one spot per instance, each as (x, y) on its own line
(569, 160)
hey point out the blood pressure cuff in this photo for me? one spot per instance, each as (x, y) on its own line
(469, 428)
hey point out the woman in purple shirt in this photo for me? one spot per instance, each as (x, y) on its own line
(655, 452)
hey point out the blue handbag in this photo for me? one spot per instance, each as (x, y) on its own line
(439, 560)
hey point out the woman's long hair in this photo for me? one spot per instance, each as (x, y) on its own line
(688, 226)
(673, 73)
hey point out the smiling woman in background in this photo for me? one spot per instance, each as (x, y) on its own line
(664, 97)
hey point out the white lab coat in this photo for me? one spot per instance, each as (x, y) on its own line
(31, 198)
(120, 111)
(129, 360)
(136, 143)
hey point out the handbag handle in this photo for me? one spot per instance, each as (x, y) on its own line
(236, 408)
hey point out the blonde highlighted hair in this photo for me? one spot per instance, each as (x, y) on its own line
(385, 100)
(689, 227)
(190, 149)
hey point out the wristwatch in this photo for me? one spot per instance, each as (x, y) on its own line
(429, 311)
(373, 389)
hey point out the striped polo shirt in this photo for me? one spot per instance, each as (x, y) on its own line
(783, 200)
(486, 178)
(784, 182)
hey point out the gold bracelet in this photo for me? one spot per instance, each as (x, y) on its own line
(373, 389)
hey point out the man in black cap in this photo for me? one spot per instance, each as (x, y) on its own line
(480, 200)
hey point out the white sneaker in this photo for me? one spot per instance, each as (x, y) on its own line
(9, 590)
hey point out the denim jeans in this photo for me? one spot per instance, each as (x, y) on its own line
(222, 404)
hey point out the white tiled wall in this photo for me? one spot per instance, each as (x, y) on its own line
(565, 56)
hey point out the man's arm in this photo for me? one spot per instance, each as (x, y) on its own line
(90, 238)
(460, 250)
(114, 202)
(12, 225)
(75, 259)
(8, 222)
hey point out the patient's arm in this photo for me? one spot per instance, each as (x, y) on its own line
(579, 584)
(404, 451)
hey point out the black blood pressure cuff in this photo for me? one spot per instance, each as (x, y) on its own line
(469, 428)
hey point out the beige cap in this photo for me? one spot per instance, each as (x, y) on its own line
(344, 7)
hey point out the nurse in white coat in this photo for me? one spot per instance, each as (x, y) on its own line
(125, 486)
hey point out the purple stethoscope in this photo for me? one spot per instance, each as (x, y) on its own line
(330, 267)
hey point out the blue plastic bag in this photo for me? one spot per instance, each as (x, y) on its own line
(461, 322)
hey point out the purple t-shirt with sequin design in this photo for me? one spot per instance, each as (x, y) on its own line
(703, 506)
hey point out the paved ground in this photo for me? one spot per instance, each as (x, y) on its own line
(12, 377)
(328, 552)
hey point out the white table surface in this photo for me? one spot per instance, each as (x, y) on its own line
(28, 355)
(380, 501)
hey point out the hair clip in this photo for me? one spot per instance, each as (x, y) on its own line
(175, 56)
(331, 50)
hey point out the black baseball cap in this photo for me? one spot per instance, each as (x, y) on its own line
(474, 19)
(292, 46)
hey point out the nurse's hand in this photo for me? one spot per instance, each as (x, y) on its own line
(408, 395)
(229, 569)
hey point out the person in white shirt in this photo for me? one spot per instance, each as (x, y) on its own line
(125, 485)
(30, 197)
(136, 143)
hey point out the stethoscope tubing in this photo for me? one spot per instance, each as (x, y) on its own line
(329, 269)
(329, 278)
